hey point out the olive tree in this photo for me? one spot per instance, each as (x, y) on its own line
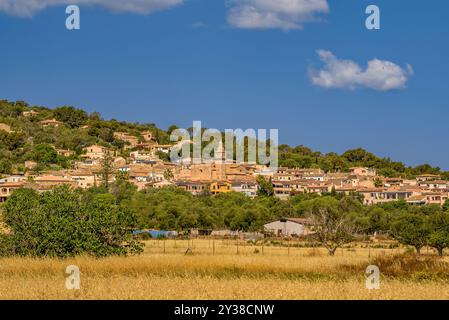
(332, 226)
(411, 228)
(439, 231)
(60, 224)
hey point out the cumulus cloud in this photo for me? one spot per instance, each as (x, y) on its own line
(199, 24)
(379, 75)
(28, 8)
(274, 14)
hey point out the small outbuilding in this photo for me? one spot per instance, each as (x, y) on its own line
(289, 227)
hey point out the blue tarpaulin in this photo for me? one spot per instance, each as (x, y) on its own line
(156, 233)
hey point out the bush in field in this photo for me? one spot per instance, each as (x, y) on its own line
(60, 224)
(439, 231)
(412, 229)
(332, 225)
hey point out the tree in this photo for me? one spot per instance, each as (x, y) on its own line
(332, 228)
(122, 189)
(168, 174)
(106, 168)
(377, 220)
(172, 128)
(411, 229)
(333, 192)
(446, 205)
(359, 156)
(265, 187)
(5, 166)
(44, 154)
(106, 134)
(11, 141)
(59, 224)
(71, 116)
(439, 231)
(378, 183)
(163, 156)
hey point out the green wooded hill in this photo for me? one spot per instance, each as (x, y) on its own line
(30, 141)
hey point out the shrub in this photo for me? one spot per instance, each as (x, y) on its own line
(60, 224)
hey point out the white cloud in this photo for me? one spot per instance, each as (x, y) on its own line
(274, 14)
(379, 75)
(199, 24)
(27, 8)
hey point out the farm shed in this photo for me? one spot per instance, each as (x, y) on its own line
(289, 227)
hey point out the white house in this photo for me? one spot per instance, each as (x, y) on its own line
(287, 227)
(13, 179)
(245, 187)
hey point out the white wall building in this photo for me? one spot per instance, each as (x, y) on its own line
(288, 227)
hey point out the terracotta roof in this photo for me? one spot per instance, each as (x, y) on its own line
(417, 198)
(434, 182)
(304, 221)
(12, 184)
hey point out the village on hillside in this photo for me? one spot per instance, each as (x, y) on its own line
(144, 168)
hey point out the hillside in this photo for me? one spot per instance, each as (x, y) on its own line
(24, 137)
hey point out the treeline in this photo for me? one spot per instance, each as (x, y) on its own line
(303, 157)
(31, 141)
(416, 226)
(99, 220)
(174, 209)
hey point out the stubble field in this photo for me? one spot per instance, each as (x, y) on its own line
(226, 269)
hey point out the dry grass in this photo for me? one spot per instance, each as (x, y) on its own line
(278, 273)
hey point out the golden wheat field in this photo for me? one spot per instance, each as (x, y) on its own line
(225, 269)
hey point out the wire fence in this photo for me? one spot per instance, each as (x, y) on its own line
(211, 246)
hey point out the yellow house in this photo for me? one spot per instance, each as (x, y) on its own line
(362, 171)
(94, 152)
(147, 136)
(65, 153)
(30, 113)
(132, 140)
(217, 187)
(84, 179)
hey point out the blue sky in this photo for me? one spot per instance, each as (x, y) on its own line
(201, 60)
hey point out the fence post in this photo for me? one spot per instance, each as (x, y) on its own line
(164, 244)
(213, 247)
